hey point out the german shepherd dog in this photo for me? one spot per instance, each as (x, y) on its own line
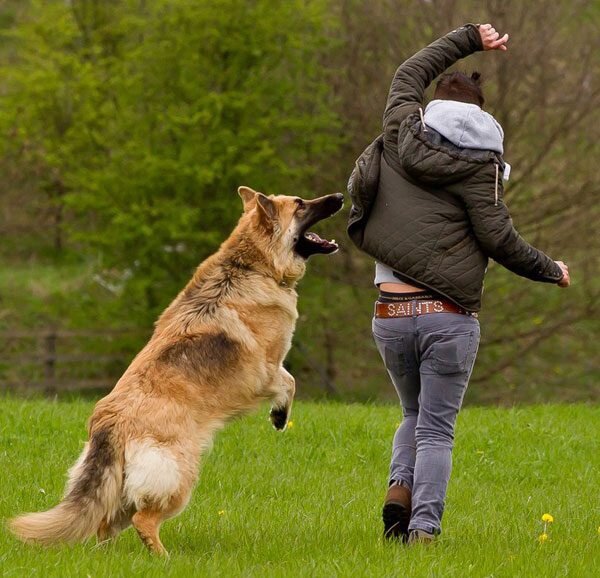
(217, 352)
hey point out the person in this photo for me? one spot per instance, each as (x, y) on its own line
(441, 172)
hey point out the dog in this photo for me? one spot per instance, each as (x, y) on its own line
(217, 352)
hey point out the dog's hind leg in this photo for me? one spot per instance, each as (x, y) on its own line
(148, 520)
(104, 533)
(158, 483)
(108, 531)
(147, 523)
(282, 399)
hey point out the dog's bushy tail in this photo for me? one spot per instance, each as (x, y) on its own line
(93, 495)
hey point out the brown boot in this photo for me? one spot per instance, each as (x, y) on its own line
(396, 513)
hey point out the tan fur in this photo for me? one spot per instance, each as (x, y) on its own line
(216, 352)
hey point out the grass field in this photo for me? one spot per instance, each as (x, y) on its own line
(307, 502)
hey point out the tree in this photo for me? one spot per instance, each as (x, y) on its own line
(544, 93)
(145, 117)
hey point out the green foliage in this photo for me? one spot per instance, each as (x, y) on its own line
(127, 125)
(307, 502)
(143, 118)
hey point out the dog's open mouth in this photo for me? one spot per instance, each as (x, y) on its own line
(310, 243)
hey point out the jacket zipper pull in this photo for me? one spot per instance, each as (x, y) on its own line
(423, 126)
(496, 187)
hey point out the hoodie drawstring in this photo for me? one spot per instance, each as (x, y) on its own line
(423, 126)
(496, 187)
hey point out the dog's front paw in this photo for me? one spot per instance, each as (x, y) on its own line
(279, 417)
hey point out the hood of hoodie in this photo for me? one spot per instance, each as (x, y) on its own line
(465, 125)
(432, 158)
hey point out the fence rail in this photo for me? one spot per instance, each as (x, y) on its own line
(52, 359)
(48, 360)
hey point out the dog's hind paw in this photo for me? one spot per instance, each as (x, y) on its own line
(279, 418)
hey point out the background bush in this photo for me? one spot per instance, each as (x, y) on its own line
(126, 127)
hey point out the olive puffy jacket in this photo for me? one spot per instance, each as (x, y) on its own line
(439, 212)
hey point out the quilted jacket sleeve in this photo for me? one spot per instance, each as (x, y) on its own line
(494, 231)
(415, 74)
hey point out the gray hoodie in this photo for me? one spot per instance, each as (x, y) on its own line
(465, 126)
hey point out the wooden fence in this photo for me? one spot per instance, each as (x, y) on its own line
(53, 360)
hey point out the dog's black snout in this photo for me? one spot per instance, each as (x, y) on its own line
(336, 200)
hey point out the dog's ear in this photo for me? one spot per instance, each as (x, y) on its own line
(247, 195)
(266, 209)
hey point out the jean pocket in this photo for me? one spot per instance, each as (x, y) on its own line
(453, 352)
(391, 349)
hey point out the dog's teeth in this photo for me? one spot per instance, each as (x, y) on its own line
(333, 241)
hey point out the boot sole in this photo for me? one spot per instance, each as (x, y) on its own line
(396, 518)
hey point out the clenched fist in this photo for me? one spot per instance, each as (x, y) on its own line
(566, 279)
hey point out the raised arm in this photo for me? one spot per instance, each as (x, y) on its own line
(415, 74)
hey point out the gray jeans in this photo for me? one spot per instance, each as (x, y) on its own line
(429, 359)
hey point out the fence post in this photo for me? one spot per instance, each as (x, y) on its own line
(50, 361)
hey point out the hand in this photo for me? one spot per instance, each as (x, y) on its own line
(566, 279)
(491, 39)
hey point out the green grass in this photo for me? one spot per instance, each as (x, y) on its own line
(307, 502)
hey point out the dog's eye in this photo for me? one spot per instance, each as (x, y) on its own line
(301, 204)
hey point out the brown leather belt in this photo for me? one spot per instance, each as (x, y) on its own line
(417, 307)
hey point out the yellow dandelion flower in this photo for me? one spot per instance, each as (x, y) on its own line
(547, 518)
(543, 538)
(290, 424)
(221, 512)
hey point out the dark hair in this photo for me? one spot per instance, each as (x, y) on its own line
(459, 86)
